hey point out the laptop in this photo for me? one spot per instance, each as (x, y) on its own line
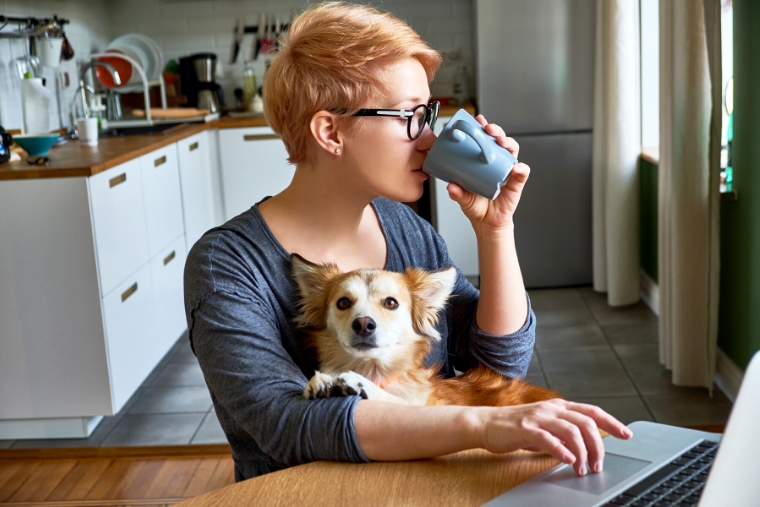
(664, 465)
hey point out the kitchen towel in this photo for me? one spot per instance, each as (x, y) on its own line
(35, 106)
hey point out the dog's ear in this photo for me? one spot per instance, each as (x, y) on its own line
(430, 290)
(313, 280)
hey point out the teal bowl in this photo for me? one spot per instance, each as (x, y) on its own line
(36, 145)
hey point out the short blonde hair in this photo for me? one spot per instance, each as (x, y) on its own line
(331, 61)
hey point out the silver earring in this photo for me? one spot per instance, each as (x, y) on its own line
(337, 150)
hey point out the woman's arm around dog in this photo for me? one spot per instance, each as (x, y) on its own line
(566, 430)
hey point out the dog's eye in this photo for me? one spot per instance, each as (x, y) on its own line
(390, 303)
(344, 304)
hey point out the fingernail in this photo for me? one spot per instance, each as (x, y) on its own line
(598, 466)
(582, 470)
(628, 433)
(569, 459)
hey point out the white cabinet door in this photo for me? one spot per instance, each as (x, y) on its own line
(453, 225)
(162, 197)
(166, 271)
(130, 324)
(196, 181)
(118, 216)
(254, 165)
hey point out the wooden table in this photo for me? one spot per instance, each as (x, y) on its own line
(462, 479)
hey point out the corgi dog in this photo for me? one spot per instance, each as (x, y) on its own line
(371, 330)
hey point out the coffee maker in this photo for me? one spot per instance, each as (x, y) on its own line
(197, 77)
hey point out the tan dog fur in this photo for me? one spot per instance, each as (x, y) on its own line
(391, 368)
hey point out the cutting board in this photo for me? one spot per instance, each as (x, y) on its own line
(172, 112)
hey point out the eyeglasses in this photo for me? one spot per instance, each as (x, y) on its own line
(416, 118)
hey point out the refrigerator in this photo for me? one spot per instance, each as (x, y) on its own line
(535, 78)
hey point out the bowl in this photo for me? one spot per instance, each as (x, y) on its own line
(36, 145)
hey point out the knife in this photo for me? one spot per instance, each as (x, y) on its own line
(259, 36)
(239, 33)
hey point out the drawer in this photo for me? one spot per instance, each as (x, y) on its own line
(161, 194)
(196, 182)
(118, 217)
(130, 329)
(167, 270)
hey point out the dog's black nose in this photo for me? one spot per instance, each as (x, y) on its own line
(363, 326)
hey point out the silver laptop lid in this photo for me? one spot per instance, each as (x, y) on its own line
(734, 478)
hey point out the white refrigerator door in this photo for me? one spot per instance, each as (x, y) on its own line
(536, 64)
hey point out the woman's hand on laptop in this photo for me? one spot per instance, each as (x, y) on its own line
(568, 431)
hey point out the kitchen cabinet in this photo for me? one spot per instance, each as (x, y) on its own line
(452, 224)
(253, 165)
(90, 292)
(197, 178)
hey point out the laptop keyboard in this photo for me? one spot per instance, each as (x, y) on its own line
(678, 483)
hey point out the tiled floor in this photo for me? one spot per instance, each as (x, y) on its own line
(607, 356)
(585, 349)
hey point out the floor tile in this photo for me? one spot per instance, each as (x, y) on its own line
(537, 379)
(154, 429)
(626, 409)
(632, 333)
(180, 374)
(588, 335)
(166, 400)
(579, 359)
(694, 409)
(210, 431)
(547, 300)
(657, 380)
(603, 383)
(6, 444)
(638, 356)
(564, 318)
(606, 314)
(535, 365)
(184, 354)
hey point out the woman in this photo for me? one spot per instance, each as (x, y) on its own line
(343, 206)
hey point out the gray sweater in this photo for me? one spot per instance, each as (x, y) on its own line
(240, 301)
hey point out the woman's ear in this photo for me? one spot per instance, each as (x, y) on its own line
(324, 129)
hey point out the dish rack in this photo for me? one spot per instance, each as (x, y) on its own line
(144, 85)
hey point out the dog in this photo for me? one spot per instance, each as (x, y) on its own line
(371, 329)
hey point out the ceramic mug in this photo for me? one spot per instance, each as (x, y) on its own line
(88, 131)
(464, 154)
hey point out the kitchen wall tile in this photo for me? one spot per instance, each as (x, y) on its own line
(173, 10)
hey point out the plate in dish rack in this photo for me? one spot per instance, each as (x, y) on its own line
(146, 49)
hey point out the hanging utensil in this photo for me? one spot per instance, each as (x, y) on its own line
(239, 33)
(257, 37)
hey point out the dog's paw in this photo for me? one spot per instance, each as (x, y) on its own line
(321, 385)
(353, 383)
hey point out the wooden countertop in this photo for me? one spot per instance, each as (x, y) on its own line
(74, 159)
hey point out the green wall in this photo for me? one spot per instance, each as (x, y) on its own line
(739, 327)
(648, 222)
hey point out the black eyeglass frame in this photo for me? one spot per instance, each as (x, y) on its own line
(431, 116)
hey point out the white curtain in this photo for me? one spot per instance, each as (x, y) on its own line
(616, 150)
(689, 195)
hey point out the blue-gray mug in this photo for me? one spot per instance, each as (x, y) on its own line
(464, 154)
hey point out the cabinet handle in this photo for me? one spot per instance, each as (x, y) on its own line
(117, 179)
(259, 137)
(159, 161)
(169, 257)
(194, 146)
(128, 292)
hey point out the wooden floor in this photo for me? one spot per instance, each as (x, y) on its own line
(117, 477)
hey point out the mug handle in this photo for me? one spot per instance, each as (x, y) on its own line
(477, 135)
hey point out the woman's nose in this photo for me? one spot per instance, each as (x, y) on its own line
(426, 139)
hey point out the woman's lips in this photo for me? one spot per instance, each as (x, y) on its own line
(421, 173)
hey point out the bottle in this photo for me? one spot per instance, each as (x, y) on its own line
(459, 85)
(249, 84)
